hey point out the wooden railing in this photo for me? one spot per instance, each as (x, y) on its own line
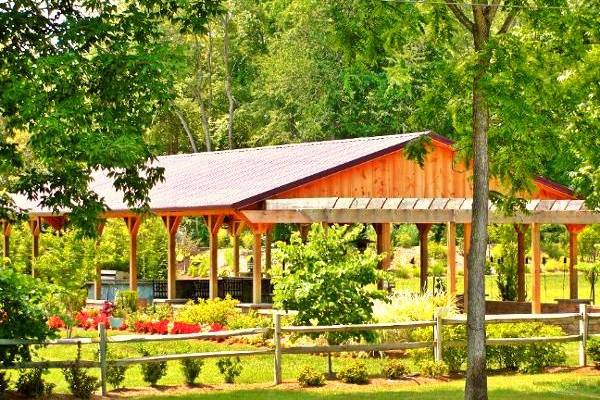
(437, 344)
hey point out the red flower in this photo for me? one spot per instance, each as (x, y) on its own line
(216, 327)
(55, 322)
(183, 328)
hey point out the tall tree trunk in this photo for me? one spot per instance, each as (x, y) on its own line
(476, 383)
(205, 125)
(199, 88)
(186, 128)
(228, 85)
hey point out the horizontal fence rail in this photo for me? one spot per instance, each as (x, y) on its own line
(437, 344)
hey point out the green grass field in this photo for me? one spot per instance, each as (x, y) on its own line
(554, 286)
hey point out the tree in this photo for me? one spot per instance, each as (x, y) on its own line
(328, 280)
(84, 81)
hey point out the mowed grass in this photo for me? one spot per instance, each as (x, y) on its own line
(532, 387)
(554, 286)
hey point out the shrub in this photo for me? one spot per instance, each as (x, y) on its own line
(115, 375)
(250, 319)
(199, 265)
(308, 377)
(433, 369)
(354, 372)
(230, 368)
(593, 350)
(454, 356)
(4, 383)
(126, 300)
(31, 384)
(81, 385)
(152, 372)
(394, 369)
(208, 311)
(191, 369)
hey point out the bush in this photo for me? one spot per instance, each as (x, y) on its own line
(308, 377)
(354, 372)
(208, 311)
(454, 356)
(230, 368)
(152, 372)
(81, 385)
(115, 375)
(394, 369)
(126, 300)
(433, 369)
(199, 265)
(4, 383)
(593, 350)
(405, 235)
(191, 369)
(31, 384)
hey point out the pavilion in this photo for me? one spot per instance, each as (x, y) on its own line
(368, 180)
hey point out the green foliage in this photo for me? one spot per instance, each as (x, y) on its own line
(208, 311)
(250, 319)
(405, 235)
(309, 377)
(589, 243)
(454, 356)
(230, 368)
(354, 372)
(115, 375)
(327, 280)
(4, 383)
(81, 385)
(593, 350)
(191, 369)
(23, 314)
(199, 265)
(395, 369)
(506, 269)
(153, 371)
(126, 300)
(31, 384)
(592, 274)
(433, 369)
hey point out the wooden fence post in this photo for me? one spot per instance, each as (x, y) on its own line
(277, 340)
(437, 336)
(102, 357)
(583, 332)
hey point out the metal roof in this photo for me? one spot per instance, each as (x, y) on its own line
(423, 210)
(238, 178)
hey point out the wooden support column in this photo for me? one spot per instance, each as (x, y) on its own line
(467, 250)
(521, 230)
(451, 247)
(35, 224)
(235, 228)
(6, 232)
(574, 231)
(268, 244)
(214, 223)
(98, 274)
(133, 226)
(258, 230)
(384, 246)
(171, 224)
(424, 255)
(304, 228)
(536, 291)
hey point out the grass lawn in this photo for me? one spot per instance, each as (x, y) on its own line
(554, 286)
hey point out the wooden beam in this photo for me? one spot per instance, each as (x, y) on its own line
(171, 223)
(6, 227)
(574, 231)
(467, 250)
(214, 223)
(35, 224)
(536, 292)
(133, 226)
(268, 244)
(57, 222)
(451, 248)
(424, 255)
(521, 230)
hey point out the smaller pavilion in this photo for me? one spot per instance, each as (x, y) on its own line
(365, 180)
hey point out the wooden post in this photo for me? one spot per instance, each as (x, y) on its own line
(268, 243)
(35, 225)
(574, 231)
(424, 255)
(384, 246)
(214, 223)
(257, 269)
(133, 226)
(437, 336)
(235, 228)
(304, 228)
(6, 232)
(583, 332)
(536, 292)
(98, 275)
(102, 357)
(521, 230)
(171, 223)
(467, 250)
(451, 245)
(277, 342)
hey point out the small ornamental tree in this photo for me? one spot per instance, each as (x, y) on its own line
(328, 280)
(22, 314)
